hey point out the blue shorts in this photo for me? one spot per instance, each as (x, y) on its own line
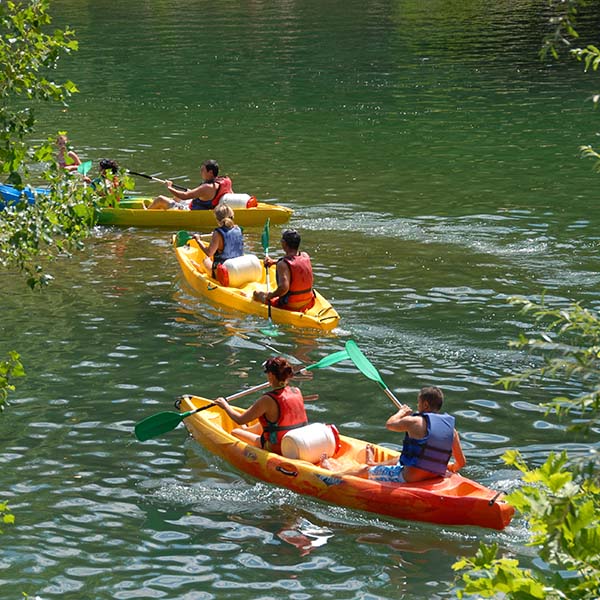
(386, 473)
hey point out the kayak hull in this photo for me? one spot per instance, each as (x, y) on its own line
(452, 500)
(321, 316)
(131, 213)
(11, 195)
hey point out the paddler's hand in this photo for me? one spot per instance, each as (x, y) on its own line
(404, 411)
(260, 296)
(221, 403)
(269, 262)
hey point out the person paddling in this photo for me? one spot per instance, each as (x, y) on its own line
(278, 411)
(107, 181)
(226, 242)
(430, 441)
(205, 196)
(294, 277)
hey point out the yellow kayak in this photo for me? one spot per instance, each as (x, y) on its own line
(451, 500)
(321, 316)
(131, 213)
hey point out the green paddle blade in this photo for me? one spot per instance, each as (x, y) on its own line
(271, 331)
(363, 364)
(182, 238)
(158, 424)
(329, 360)
(84, 167)
(264, 238)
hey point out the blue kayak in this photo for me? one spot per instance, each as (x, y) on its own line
(11, 195)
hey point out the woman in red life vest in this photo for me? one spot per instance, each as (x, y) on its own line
(203, 197)
(278, 411)
(294, 277)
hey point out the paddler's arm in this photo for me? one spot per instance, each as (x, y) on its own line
(457, 452)
(216, 242)
(404, 420)
(203, 191)
(283, 279)
(256, 410)
(74, 161)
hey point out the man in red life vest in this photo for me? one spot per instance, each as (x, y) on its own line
(203, 197)
(294, 277)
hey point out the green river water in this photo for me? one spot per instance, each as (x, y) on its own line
(432, 163)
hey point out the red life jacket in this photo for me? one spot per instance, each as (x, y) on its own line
(300, 295)
(291, 416)
(225, 187)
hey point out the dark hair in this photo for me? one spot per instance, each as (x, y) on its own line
(280, 367)
(106, 164)
(212, 166)
(434, 396)
(292, 238)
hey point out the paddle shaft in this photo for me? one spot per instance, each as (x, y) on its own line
(163, 422)
(391, 396)
(265, 242)
(177, 187)
(235, 396)
(268, 278)
(256, 388)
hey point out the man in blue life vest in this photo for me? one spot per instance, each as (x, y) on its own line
(294, 277)
(430, 441)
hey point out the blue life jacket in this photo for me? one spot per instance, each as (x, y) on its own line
(233, 244)
(197, 204)
(432, 452)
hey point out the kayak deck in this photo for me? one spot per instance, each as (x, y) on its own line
(131, 213)
(452, 500)
(321, 316)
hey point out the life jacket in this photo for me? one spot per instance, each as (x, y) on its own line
(432, 452)
(300, 295)
(224, 186)
(233, 245)
(105, 185)
(291, 416)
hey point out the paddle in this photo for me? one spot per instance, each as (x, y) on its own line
(84, 167)
(368, 370)
(183, 237)
(177, 187)
(162, 422)
(271, 330)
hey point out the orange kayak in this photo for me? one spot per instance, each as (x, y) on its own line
(452, 500)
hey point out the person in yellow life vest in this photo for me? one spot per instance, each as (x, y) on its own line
(294, 277)
(277, 411)
(205, 196)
